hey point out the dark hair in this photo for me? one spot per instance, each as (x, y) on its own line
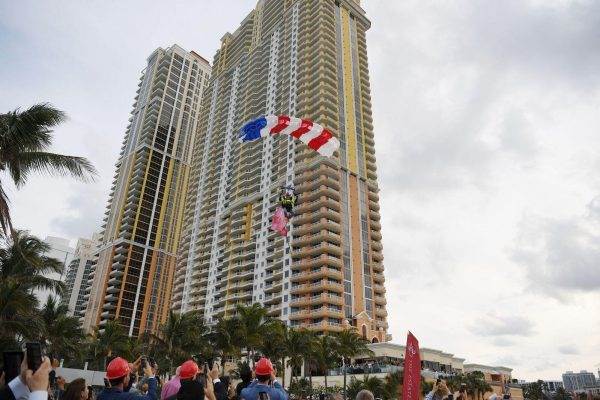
(90, 393)
(117, 381)
(263, 378)
(245, 373)
(226, 381)
(74, 390)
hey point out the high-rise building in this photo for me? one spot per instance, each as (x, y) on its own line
(61, 250)
(132, 278)
(77, 275)
(307, 59)
(578, 381)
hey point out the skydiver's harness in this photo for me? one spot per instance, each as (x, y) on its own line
(288, 201)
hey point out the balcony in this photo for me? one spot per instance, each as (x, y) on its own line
(322, 272)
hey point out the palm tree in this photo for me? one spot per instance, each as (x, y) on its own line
(253, 326)
(24, 267)
(274, 348)
(476, 384)
(324, 354)
(562, 394)
(60, 334)
(392, 386)
(350, 344)
(25, 137)
(226, 338)
(106, 340)
(295, 349)
(374, 385)
(179, 337)
(355, 386)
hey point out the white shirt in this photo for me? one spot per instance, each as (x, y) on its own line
(21, 391)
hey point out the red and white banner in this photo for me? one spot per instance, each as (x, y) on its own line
(412, 369)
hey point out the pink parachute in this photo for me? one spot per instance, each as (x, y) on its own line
(279, 222)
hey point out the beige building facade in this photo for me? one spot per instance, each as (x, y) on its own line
(132, 275)
(305, 58)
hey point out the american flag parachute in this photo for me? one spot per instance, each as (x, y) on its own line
(308, 132)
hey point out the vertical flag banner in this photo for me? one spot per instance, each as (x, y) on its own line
(412, 369)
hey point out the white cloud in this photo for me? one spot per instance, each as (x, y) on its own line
(568, 349)
(502, 325)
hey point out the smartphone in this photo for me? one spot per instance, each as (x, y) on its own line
(144, 363)
(12, 364)
(34, 355)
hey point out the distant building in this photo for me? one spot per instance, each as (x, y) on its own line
(552, 386)
(549, 387)
(499, 378)
(78, 273)
(578, 381)
(61, 250)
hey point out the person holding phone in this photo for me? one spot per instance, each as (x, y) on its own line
(266, 385)
(439, 391)
(118, 373)
(191, 387)
(32, 382)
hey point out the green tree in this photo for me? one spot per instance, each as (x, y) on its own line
(226, 338)
(25, 137)
(274, 347)
(454, 382)
(426, 387)
(253, 326)
(392, 384)
(354, 386)
(296, 342)
(350, 344)
(60, 335)
(181, 336)
(106, 340)
(24, 268)
(562, 394)
(476, 384)
(534, 390)
(324, 354)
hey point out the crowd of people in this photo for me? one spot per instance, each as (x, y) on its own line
(140, 380)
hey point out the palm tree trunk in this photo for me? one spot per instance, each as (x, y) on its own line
(344, 368)
(283, 372)
(325, 379)
(310, 380)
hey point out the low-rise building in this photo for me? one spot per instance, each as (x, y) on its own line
(499, 378)
(579, 381)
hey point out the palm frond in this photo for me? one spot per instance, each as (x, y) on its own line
(50, 164)
(29, 130)
(5, 221)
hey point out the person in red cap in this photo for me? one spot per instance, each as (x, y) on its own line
(266, 386)
(191, 388)
(118, 374)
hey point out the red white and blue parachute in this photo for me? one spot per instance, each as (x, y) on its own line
(308, 132)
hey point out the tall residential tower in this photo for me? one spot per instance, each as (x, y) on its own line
(132, 277)
(306, 58)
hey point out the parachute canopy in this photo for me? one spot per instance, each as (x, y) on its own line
(308, 132)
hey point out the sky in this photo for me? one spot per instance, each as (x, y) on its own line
(486, 118)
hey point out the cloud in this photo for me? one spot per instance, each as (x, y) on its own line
(85, 210)
(502, 342)
(471, 73)
(502, 325)
(560, 255)
(568, 350)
